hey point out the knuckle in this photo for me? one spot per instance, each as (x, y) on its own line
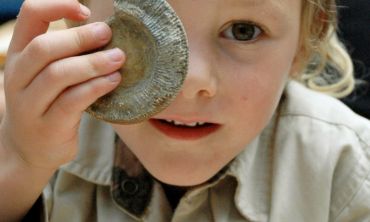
(53, 72)
(39, 46)
(89, 90)
(10, 71)
(94, 64)
(28, 6)
(79, 39)
(79, 97)
(95, 89)
(8, 84)
(11, 76)
(64, 107)
(92, 90)
(72, 4)
(71, 101)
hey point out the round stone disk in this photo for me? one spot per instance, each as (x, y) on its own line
(155, 44)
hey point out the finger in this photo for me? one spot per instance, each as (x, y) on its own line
(62, 74)
(35, 16)
(70, 105)
(57, 45)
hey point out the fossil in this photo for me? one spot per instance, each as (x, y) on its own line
(154, 41)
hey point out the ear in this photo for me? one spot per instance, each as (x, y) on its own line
(299, 61)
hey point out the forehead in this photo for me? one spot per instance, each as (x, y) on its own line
(274, 9)
(249, 3)
(278, 4)
(278, 12)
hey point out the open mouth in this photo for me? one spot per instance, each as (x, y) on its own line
(184, 131)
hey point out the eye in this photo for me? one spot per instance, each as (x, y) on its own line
(242, 31)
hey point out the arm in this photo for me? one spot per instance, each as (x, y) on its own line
(358, 210)
(49, 82)
(2, 99)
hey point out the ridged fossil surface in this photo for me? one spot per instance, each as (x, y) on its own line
(154, 41)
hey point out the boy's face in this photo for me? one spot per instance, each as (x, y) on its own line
(241, 54)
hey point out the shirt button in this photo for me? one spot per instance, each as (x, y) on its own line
(129, 186)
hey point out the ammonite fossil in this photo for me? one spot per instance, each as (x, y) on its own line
(154, 41)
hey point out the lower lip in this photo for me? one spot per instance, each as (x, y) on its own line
(184, 133)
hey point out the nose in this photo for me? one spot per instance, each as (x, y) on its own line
(200, 81)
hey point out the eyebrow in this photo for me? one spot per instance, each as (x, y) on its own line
(272, 10)
(274, 6)
(276, 3)
(253, 2)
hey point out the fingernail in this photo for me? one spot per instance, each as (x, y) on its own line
(101, 31)
(85, 11)
(115, 54)
(114, 77)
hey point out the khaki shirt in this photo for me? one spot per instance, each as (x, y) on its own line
(311, 163)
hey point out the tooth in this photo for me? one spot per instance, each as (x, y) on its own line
(177, 123)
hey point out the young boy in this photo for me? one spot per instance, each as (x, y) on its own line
(263, 148)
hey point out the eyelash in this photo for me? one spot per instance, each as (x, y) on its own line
(229, 32)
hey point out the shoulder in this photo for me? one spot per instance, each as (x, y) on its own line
(334, 139)
(321, 113)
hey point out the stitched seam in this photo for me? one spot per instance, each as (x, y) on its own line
(328, 122)
(360, 139)
(353, 196)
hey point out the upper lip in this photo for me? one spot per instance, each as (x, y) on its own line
(186, 120)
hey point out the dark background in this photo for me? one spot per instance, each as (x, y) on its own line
(9, 9)
(354, 30)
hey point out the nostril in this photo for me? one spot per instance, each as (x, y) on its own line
(205, 93)
(199, 86)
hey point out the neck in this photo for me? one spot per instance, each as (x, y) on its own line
(173, 194)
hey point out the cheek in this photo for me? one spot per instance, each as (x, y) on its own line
(259, 83)
(128, 133)
(255, 89)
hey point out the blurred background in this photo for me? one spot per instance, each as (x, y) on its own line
(354, 31)
(9, 9)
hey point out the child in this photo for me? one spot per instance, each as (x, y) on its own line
(263, 148)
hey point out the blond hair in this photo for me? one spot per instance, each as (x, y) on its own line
(324, 65)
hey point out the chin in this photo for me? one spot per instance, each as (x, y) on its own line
(182, 181)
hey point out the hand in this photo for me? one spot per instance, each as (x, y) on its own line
(50, 80)
(2, 96)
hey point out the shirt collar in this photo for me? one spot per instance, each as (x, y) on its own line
(252, 170)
